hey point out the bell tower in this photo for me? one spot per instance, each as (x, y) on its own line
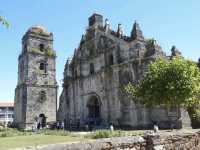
(36, 91)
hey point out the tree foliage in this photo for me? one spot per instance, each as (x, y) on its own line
(168, 82)
(150, 43)
(4, 22)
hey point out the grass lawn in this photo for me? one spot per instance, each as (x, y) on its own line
(34, 140)
(13, 138)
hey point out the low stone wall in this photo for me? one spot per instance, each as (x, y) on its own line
(190, 141)
(175, 142)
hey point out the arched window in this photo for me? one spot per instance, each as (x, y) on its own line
(91, 68)
(110, 60)
(41, 47)
(42, 119)
(42, 96)
(75, 74)
(42, 66)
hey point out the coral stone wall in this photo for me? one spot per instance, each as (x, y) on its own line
(176, 142)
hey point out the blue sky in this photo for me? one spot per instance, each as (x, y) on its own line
(170, 22)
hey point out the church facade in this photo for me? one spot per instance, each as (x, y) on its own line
(102, 65)
(94, 79)
(36, 91)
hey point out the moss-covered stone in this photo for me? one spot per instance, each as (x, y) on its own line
(48, 52)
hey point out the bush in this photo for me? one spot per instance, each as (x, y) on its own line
(9, 132)
(101, 134)
(107, 134)
(55, 132)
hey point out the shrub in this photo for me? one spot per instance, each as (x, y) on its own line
(55, 132)
(10, 132)
(105, 134)
(102, 134)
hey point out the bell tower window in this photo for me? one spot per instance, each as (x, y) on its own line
(41, 47)
(42, 96)
(91, 68)
(43, 67)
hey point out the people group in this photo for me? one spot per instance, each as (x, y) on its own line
(60, 125)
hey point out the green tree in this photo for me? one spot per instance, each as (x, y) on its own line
(168, 82)
(4, 22)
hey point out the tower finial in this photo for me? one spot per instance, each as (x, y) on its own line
(120, 30)
(135, 21)
(96, 20)
(107, 25)
(136, 33)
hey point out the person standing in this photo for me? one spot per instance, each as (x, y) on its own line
(63, 125)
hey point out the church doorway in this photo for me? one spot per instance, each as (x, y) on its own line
(94, 110)
(42, 120)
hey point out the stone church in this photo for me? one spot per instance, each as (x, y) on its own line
(36, 91)
(105, 61)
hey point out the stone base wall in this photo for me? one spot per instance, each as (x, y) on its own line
(182, 141)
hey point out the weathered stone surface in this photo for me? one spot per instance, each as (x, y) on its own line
(175, 142)
(94, 79)
(36, 91)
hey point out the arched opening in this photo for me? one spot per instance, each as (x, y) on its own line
(42, 96)
(43, 67)
(110, 60)
(91, 68)
(75, 74)
(94, 110)
(42, 120)
(41, 47)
